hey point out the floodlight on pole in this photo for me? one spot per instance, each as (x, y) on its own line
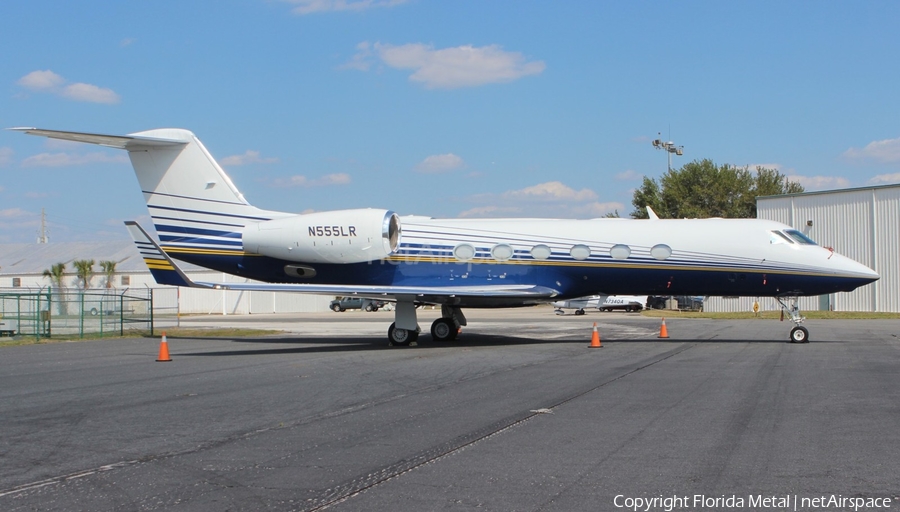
(669, 147)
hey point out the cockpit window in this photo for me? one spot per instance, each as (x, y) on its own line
(799, 237)
(778, 237)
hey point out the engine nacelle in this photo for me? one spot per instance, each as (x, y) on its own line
(341, 236)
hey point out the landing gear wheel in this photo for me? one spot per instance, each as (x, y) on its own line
(401, 337)
(579, 312)
(443, 329)
(799, 334)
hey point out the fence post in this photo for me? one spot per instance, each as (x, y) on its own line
(81, 318)
(122, 314)
(151, 312)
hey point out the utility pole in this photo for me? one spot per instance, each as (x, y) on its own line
(42, 235)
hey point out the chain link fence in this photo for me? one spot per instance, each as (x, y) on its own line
(87, 313)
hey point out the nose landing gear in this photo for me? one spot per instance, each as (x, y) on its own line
(799, 334)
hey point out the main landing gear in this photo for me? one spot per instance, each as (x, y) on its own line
(799, 334)
(405, 329)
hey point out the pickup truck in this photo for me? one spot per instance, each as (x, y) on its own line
(345, 303)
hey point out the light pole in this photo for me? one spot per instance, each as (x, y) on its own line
(669, 148)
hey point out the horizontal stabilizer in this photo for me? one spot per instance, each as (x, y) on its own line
(113, 141)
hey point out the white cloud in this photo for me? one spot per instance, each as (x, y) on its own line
(49, 82)
(552, 191)
(13, 213)
(552, 199)
(128, 41)
(66, 159)
(91, 93)
(885, 151)
(811, 183)
(5, 156)
(450, 68)
(249, 157)
(313, 6)
(436, 164)
(303, 181)
(41, 80)
(885, 178)
(629, 175)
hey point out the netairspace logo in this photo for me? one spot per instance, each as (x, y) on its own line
(752, 502)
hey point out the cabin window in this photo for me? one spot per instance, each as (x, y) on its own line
(580, 252)
(777, 237)
(661, 251)
(502, 252)
(540, 252)
(464, 252)
(799, 237)
(620, 252)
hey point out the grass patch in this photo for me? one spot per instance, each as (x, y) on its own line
(772, 315)
(215, 332)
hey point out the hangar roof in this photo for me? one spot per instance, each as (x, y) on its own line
(832, 191)
(22, 259)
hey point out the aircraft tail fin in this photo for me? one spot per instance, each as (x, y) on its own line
(193, 203)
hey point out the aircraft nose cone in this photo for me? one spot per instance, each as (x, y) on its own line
(854, 271)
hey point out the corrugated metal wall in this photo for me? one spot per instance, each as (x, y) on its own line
(862, 224)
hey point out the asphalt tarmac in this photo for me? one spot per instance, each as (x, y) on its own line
(519, 414)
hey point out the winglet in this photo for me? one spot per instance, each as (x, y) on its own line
(164, 270)
(651, 214)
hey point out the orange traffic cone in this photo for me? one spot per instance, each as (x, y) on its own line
(163, 350)
(663, 332)
(595, 338)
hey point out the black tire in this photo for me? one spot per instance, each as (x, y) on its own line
(579, 312)
(336, 308)
(799, 334)
(443, 329)
(370, 308)
(401, 337)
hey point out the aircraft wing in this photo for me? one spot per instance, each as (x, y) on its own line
(165, 271)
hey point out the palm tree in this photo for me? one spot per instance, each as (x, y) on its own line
(84, 269)
(109, 269)
(56, 273)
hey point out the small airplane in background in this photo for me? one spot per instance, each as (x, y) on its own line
(626, 303)
(202, 218)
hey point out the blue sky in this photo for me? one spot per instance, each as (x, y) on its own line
(446, 109)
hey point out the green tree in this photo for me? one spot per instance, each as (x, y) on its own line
(56, 273)
(702, 189)
(109, 270)
(84, 269)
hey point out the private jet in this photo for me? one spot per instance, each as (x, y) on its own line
(201, 218)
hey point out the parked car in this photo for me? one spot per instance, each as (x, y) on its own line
(345, 303)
